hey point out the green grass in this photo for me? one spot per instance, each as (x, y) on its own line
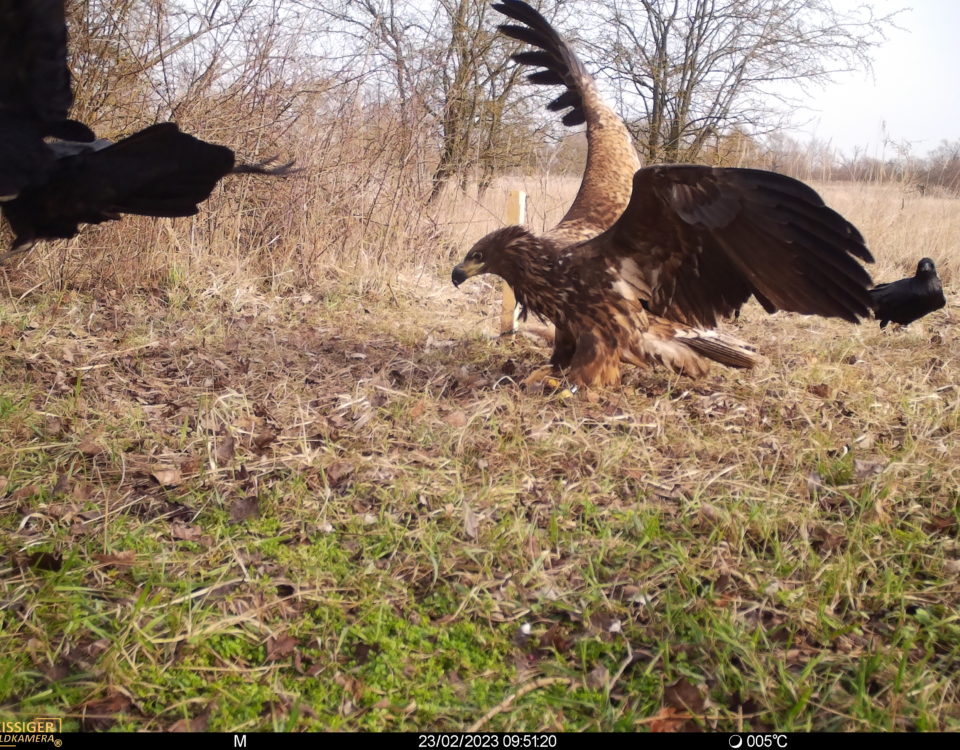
(401, 539)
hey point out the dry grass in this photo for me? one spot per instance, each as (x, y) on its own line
(901, 226)
(240, 497)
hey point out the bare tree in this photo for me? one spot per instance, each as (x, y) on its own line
(943, 166)
(450, 74)
(693, 70)
(218, 65)
(486, 116)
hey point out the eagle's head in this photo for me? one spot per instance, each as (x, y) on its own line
(926, 268)
(500, 252)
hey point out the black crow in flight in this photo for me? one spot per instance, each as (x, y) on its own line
(55, 174)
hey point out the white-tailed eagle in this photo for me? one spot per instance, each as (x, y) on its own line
(646, 261)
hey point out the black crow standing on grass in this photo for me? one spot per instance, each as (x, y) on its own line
(55, 174)
(909, 299)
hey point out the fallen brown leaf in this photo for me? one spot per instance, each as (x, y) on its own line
(90, 445)
(100, 715)
(864, 469)
(56, 672)
(185, 532)
(457, 684)
(822, 540)
(350, 685)
(279, 647)
(940, 523)
(417, 410)
(45, 561)
(243, 508)
(25, 493)
(82, 490)
(189, 465)
(597, 678)
(338, 471)
(815, 485)
(198, 723)
(555, 639)
(470, 522)
(712, 515)
(63, 484)
(123, 559)
(820, 389)
(362, 652)
(167, 476)
(262, 440)
(225, 449)
(684, 696)
(669, 719)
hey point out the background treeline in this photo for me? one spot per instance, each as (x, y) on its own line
(403, 115)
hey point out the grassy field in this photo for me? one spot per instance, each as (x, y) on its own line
(231, 508)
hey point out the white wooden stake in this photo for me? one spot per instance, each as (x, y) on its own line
(510, 310)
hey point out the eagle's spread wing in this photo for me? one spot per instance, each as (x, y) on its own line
(611, 156)
(695, 242)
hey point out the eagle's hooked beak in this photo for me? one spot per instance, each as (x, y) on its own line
(466, 270)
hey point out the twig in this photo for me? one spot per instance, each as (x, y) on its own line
(623, 668)
(522, 691)
(121, 352)
(680, 716)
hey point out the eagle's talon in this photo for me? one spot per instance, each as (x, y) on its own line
(542, 377)
(545, 380)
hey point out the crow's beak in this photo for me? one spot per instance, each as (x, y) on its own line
(465, 270)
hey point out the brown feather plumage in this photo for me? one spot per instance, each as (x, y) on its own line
(646, 261)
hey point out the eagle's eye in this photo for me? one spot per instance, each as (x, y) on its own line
(477, 256)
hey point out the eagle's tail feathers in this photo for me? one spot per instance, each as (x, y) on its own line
(561, 62)
(720, 347)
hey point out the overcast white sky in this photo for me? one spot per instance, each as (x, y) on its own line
(914, 92)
